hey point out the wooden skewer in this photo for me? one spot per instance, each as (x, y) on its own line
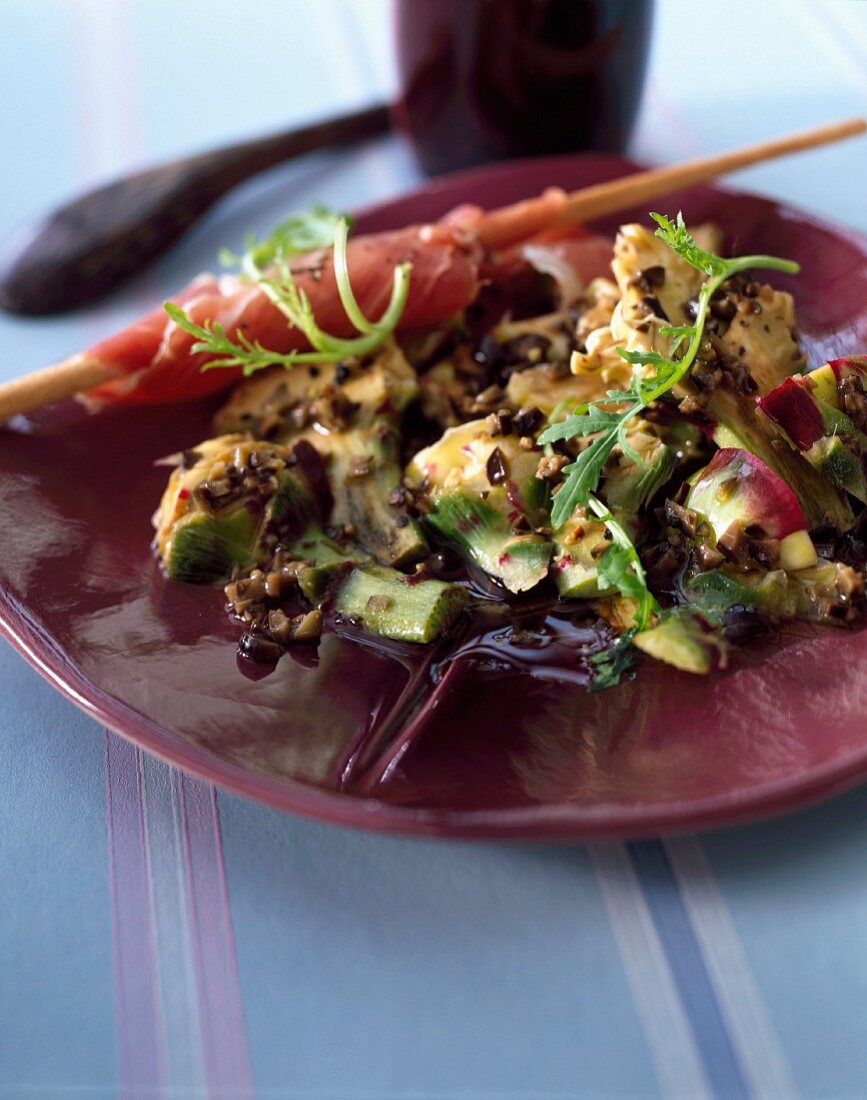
(497, 229)
(44, 387)
(512, 223)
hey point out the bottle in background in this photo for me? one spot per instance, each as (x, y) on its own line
(485, 80)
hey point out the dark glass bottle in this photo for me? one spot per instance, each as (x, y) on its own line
(486, 80)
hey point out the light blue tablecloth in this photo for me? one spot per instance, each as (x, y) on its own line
(158, 939)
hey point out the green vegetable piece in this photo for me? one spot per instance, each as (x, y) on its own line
(363, 464)
(198, 540)
(678, 639)
(325, 560)
(778, 593)
(482, 532)
(392, 605)
(293, 507)
(629, 485)
(739, 424)
(393, 537)
(808, 411)
(484, 494)
(839, 463)
(384, 601)
(204, 548)
(575, 568)
(715, 592)
(737, 491)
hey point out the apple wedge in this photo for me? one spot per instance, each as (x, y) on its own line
(750, 510)
(823, 415)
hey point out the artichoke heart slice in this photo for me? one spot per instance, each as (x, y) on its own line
(226, 495)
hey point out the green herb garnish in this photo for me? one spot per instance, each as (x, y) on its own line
(621, 568)
(612, 663)
(298, 234)
(277, 282)
(653, 374)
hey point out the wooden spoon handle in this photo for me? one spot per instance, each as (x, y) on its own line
(101, 239)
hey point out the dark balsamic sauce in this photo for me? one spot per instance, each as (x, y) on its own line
(550, 639)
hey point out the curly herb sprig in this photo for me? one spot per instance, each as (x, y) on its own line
(266, 264)
(297, 234)
(653, 374)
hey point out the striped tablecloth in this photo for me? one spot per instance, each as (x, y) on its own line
(162, 939)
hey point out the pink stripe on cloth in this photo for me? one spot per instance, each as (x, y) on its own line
(196, 914)
(137, 1014)
(224, 1036)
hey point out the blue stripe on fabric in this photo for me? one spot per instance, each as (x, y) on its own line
(688, 969)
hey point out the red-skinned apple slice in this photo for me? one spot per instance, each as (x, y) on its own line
(793, 404)
(813, 412)
(737, 487)
(792, 407)
(848, 364)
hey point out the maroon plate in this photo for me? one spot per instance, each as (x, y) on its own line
(356, 735)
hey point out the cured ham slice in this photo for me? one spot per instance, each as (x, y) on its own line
(152, 357)
(152, 361)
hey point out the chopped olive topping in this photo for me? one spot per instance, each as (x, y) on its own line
(256, 647)
(527, 420)
(359, 467)
(853, 399)
(496, 467)
(550, 467)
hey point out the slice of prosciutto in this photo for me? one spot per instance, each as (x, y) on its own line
(152, 358)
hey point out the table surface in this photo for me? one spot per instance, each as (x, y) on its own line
(158, 938)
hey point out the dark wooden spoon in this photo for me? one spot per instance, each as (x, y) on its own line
(90, 246)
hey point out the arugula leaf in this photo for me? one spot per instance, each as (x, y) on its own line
(679, 240)
(581, 424)
(581, 480)
(613, 663)
(653, 374)
(614, 569)
(620, 566)
(278, 284)
(626, 447)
